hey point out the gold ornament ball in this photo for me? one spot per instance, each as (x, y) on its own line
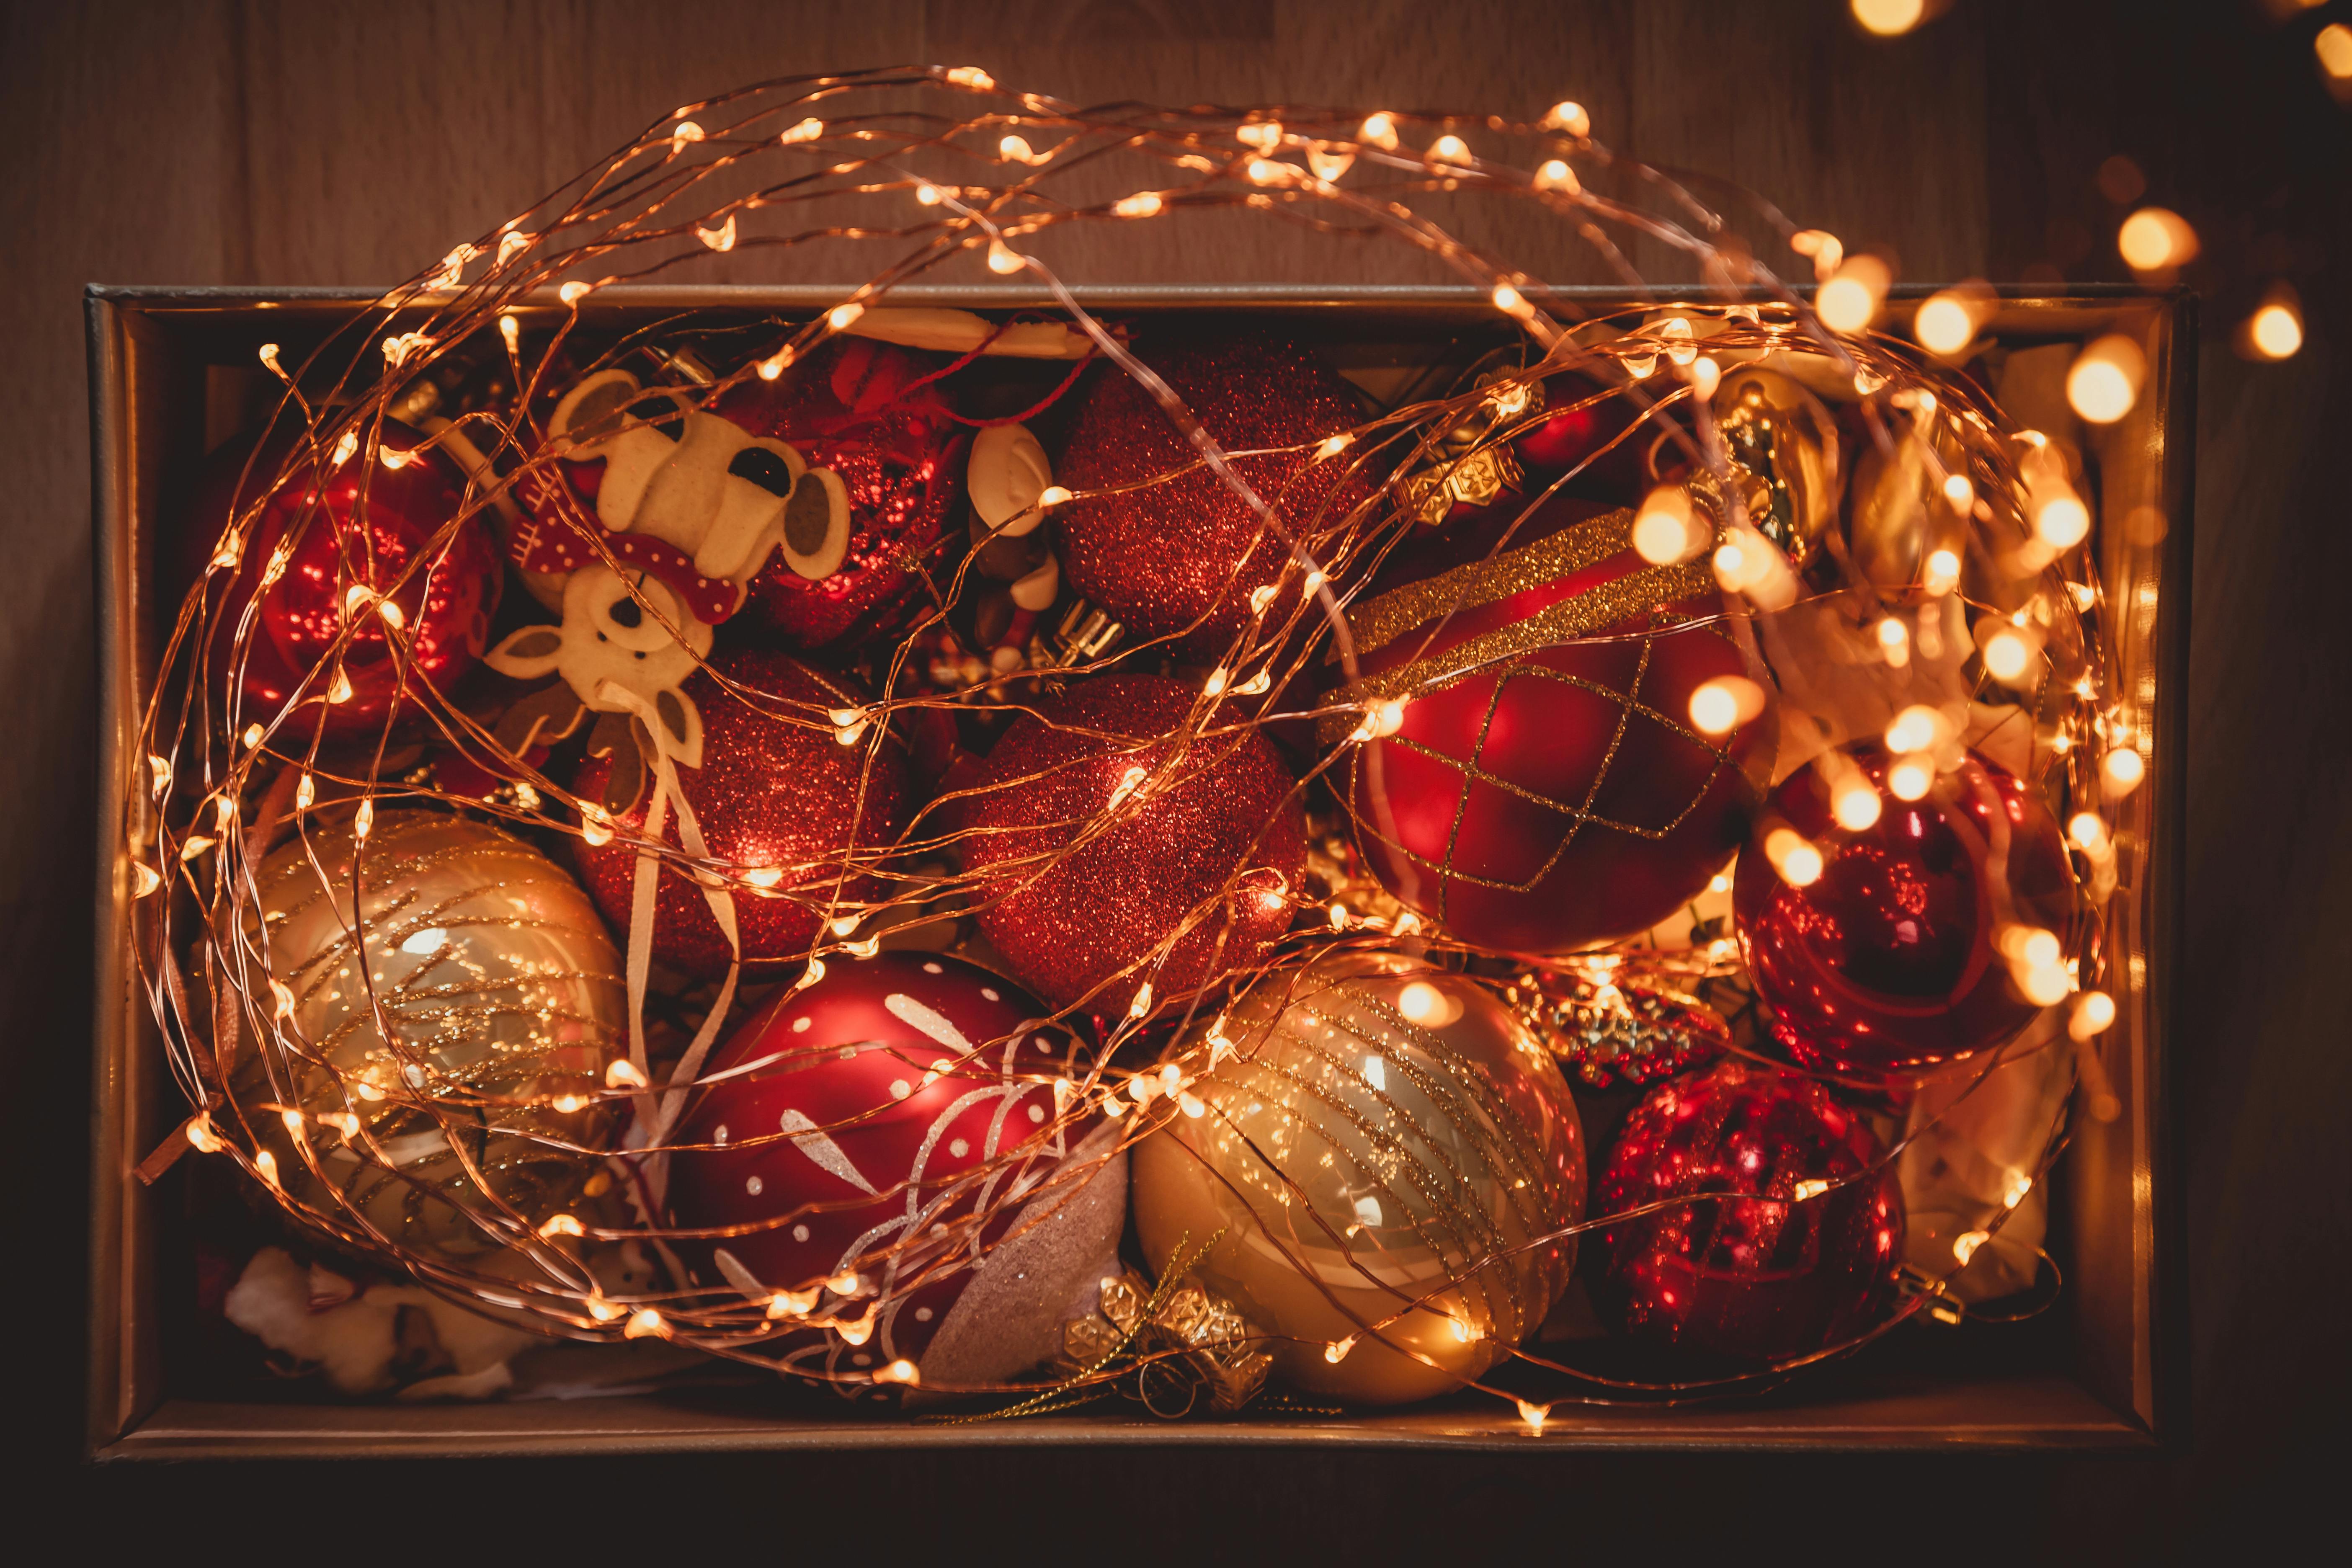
(1783, 447)
(504, 1001)
(1385, 1133)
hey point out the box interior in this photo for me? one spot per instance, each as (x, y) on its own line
(174, 373)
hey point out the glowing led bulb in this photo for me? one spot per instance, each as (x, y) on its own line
(364, 819)
(1663, 530)
(145, 879)
(1449, 150)
(1854, 804)
(1944, 325)
(1915, 728)
(1337, 1350)
(2334, 47)
(1959, 495)
(202, 1136)
(2155, 238)
(1793, 856)
(776, 363)
(2120, 771)
(1016, 149)
(1721, 705)
(1894, 642)
(1533, 1415)
(2061, 520)
(1810, 1189)
(1965, 1244)
(1379, 130)
(1510, 301)
(2106, 380)
(2007, 655)
(1002, 259)
(2087, 831)
(1911, 777)
(1556, 175)
(644, 1323)
(2093, 1015)
(1847, 301)
(1569, 117)
(625, 1074)
(1943, 572)
(841, 317)
(721, 238)
(572, 293)
(561, 1225)
(1143, 203)
(1420, 1002)
(2275, 332)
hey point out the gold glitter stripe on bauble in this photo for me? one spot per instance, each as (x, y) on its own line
(1607, 606)
(1381, 621)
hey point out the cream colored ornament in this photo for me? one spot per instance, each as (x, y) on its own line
(435, 1078)
(1380, 1152)
(1005, 474)
(1898, 515)
(1976, 1137)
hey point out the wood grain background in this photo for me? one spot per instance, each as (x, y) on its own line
(252, 143)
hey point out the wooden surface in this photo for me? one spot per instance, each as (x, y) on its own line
(252, 143)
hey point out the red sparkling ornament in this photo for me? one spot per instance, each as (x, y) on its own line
(367, 526)
(771, 795)
(1545, 787)
(852, 409)
(1162, 556)
(1070, 918)
(1886, 961)
(905, 1128)
(1765, 1273)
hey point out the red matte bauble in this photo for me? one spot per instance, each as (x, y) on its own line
(1180, 558)
(770, 794)
(901, 1092)
(1545, 787)
(1760, 1275)
(1885, 963)
(366, 525)
(855, 406)
(1225, 842)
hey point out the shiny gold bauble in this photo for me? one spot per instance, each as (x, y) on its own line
(504, 1001)
(1898, 515)
(1383, 1133)
(1784, 446)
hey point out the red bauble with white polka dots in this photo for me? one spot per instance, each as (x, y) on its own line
(898, 1123)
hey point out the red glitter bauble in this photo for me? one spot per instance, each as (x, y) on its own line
(1545, 787)
(853, 407)
(367, 525)
(900, 1094)
(1886, 961)
(1160, 557)
(1220, 821)
(1758, 1275)
(770, 795)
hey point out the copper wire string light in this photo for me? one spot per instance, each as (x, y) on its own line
(945, 174)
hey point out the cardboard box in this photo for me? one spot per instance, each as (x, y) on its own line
(169, 374)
